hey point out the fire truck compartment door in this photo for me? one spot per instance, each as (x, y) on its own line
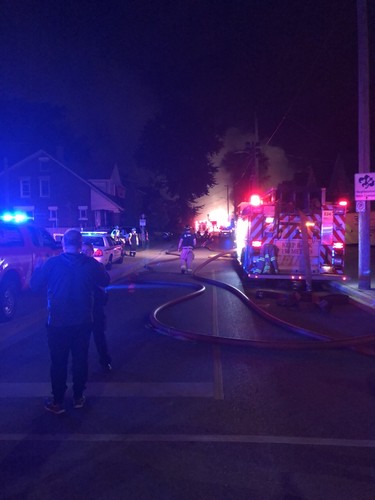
(327, 227)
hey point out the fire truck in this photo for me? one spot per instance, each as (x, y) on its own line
(292, 233)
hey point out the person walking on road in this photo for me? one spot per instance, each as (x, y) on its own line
(70, 279)
(134, 242)
(186, 246)
(99, 318)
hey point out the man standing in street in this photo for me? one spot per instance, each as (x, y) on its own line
(186, 245)
(70, 279)
(99, 317)
(133, 242)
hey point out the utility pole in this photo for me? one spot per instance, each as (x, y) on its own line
(227, 186)
(364, 247)
(256, 156)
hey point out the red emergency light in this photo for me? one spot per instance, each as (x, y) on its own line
(343, 203)
(256, 243)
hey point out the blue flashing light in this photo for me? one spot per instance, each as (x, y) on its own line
(20, 217)
(17, 217)
(7, 217)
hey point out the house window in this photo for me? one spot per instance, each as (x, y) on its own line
(82, 213)
(44, 187)
(52, 214)
(25, 187)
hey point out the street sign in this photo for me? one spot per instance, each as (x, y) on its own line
(364, 186)
(360, 206)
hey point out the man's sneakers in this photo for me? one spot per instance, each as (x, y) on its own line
(107, 367)
(186, 271)
(79, 402)
(58, 408)
(53, 407)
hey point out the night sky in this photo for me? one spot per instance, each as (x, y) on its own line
(112, 65)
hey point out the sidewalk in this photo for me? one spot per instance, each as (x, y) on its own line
(350, 287)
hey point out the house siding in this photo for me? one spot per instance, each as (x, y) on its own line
(67, 192)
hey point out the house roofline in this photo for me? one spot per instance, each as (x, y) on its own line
(42, 152)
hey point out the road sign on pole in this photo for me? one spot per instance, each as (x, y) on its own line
(360, 206)
(364, 184)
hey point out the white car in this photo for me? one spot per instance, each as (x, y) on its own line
(106, 249)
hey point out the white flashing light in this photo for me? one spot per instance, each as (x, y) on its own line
(338, 245)
(269, 220)
(93, 233)
(343, 203)
(255, 200)
(327, 268)
(241, 232)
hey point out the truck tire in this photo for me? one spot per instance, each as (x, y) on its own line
(8, 300)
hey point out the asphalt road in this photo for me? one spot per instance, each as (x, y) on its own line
(178, 419)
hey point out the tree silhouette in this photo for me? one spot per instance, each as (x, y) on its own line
(177, 149)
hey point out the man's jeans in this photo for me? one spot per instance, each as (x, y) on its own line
(61, 341)
(98, 330)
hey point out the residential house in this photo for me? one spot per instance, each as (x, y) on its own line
(115, 192)
(56, 197)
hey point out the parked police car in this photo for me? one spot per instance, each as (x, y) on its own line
(106, 249)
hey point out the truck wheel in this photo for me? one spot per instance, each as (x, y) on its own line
(8, 300)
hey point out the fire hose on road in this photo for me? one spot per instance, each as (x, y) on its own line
(319, 340)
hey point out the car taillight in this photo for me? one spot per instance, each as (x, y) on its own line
(98, 252)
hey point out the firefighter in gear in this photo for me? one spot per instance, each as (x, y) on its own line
(267, 260)
(186, 246)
